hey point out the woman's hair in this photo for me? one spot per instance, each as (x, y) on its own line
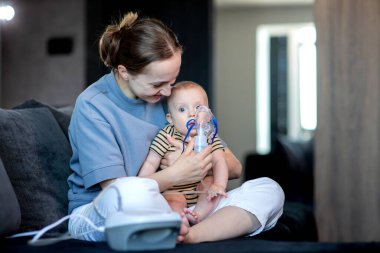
(135, 42)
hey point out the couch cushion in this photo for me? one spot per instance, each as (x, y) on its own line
(297, 223)
(10, 216)
(36, 155)
(61, 115)
(290, 164)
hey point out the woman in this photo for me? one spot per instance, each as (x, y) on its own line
(113, 123)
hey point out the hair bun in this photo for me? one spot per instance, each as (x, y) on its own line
(128, 20)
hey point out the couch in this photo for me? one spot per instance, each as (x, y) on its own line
(34, 165)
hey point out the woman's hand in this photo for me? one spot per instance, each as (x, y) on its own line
(234, 165)
(188, 168)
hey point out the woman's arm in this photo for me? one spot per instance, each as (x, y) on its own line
(105, 183)
(233, 164)
(189, 167)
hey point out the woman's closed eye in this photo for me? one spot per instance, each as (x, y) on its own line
(158, 85)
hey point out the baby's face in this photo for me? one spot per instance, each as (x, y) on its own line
(183, 106)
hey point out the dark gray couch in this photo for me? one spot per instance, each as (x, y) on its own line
(34, 165)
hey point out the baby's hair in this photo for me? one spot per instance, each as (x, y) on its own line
(135, 42)
(183, 85)
(186, 84)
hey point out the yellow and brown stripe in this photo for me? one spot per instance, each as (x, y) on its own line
(217, 144)
(191, 199)
(160, 144)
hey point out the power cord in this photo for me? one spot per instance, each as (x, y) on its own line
(36, 241)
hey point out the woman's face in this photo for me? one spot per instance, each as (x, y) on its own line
(156, 80)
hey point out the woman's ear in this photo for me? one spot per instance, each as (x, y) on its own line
(123, 72)
(169, 118)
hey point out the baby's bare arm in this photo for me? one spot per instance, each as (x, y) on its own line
(150, 165)
(219, 169)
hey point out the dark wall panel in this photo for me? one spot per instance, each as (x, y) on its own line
(190, 20)
(42, 52)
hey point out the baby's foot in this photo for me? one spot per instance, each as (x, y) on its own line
(184, 230)
(191, 216)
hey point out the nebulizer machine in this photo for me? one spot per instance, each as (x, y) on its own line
(148, 226)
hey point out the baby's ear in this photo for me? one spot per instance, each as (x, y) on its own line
(169, 118)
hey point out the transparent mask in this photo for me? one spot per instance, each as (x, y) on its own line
(206, 127)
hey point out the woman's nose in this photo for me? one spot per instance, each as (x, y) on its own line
(166, 90)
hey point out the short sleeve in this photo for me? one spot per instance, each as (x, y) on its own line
(99, 157)
(217, 144)
(160, 144)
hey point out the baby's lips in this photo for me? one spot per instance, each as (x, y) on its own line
(191, 122)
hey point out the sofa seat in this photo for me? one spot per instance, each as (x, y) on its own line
(34, 165)
(239, 245)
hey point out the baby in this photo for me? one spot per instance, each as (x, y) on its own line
(183, 103)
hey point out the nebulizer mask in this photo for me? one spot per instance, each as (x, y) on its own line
(206, 126)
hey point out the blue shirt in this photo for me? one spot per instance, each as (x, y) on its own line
(110, 135)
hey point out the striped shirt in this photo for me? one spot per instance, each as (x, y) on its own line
(160, 145)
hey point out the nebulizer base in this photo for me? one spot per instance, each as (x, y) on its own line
(142, 230)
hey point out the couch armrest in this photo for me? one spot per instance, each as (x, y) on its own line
(290, 164)
(297, 223)
(10, 214)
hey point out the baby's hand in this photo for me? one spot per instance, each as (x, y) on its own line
(216, 190)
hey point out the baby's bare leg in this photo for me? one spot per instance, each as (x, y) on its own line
(203, 207)
(176, 201)
(178, 204)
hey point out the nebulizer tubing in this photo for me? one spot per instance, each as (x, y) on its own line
(211, 124)
(204, 131)
(38, 241)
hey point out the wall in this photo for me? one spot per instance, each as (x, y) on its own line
(234, 68)
(193, 33)
(28, 71)
(347, 141)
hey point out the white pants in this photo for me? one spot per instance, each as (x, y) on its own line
(262, 197)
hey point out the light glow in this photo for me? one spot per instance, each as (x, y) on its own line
(307, 78)
(6, 12)
(302, 84)
(262, 92)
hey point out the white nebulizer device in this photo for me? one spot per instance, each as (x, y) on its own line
(206, 126)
